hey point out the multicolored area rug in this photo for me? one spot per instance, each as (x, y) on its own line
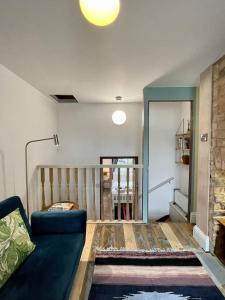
(136, 275)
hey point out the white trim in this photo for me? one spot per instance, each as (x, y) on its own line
(193, 216)
(181, 200)
(201, 238)
(99, 166)
(176, 213)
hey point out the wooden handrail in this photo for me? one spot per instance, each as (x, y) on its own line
(98, 166)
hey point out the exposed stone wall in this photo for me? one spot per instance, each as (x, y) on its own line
(217, 161)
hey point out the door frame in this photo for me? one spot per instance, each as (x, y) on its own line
(167, 94)
(112, 157)
(117, 157)
(191, 150)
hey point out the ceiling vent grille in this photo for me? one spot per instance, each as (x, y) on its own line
(65, 98)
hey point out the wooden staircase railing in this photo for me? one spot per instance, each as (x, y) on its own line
(107, 192)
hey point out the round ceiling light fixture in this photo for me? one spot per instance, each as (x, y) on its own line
(119, 117)
(100, 12)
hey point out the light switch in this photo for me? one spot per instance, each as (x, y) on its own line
(204, 137)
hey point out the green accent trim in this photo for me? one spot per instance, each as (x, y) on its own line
(167, 94)
(145, 183)
(195, 152)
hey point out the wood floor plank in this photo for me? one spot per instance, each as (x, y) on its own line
(179, 234)
(98, 234)
(129, 237)
(86, 259)
(161, 238)
(171, 237)
(188, 230)
(141, 237)
(120, 240)
(105, 237)
(145, 236)
(188, 227)
(182, 237)
(111, 237)
(151, 236)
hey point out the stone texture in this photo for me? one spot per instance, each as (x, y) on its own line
(217, 160)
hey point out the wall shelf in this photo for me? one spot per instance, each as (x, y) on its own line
(183, 143)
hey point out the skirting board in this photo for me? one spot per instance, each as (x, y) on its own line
(193, 217)
(201, 238)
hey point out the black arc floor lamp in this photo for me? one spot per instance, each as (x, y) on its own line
(56, 142)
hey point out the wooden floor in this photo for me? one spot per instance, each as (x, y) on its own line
(154, 236)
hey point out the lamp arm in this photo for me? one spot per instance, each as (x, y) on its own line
(40, 140)
(26, 168)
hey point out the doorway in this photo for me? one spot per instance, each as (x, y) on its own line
(118, 189)
(170, 156)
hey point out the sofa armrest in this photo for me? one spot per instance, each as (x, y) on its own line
(50, 222)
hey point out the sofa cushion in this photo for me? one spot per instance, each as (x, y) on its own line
(51, 222)
(15, 244)
(9, 205)
(49, 271)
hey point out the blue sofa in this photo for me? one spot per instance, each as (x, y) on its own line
(48, 273)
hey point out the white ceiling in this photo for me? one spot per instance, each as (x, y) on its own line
(161, 42)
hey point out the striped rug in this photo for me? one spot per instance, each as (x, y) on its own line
(147, 275)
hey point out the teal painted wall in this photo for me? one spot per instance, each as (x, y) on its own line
(167, 94)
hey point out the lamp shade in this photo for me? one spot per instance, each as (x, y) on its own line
(119, 117)
(100, 12)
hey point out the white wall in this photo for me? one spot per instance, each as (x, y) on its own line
(164, 120)
(87, 132)
(25, 114)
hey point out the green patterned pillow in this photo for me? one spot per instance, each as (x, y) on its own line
(15, 244)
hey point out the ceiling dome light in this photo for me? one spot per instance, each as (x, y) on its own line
(100, 12)
(119, 117)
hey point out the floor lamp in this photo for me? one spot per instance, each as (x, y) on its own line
(56, 142)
